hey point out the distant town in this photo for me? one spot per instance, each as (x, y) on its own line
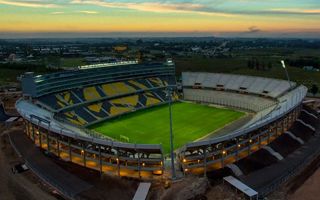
(226, 55)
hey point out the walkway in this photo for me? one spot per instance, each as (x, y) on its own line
(46, 169)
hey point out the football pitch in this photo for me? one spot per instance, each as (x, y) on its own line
(151, 126)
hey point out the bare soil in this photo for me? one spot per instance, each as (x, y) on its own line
(24, 186)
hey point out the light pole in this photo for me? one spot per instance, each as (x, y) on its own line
(287, 74)
(169, 95)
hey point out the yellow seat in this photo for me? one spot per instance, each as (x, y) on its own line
(91, 93)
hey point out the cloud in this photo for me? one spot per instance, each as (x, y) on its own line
(57, 13)
(87, 12)
(160, 7)
(253, 29)
(29, 3)
(296, 11)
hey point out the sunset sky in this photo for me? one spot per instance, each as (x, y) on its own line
(243, 18)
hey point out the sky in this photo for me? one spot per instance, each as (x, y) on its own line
(138, 18)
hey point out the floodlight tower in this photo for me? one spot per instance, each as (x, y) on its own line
(287, 74)
(169, 96)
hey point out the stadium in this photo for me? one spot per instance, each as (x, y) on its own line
(114, 118)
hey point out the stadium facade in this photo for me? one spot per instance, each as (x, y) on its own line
(58, 107)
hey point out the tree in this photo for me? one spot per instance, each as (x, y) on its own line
(314, 89)
(263, 66)
(257, 65)
(250, 64)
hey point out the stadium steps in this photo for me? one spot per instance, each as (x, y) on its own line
(73, 118)
(301, 131)
(61, 101)
(137, 85)
(273, 152)
(285, 145)
(76, 96)
(102, 108)
(309, 119)
(309, 113)
(93, 115)
(235, 169)
(100, 91)
(294, 137)
(258, 160)
(80, 111)
(158, 96)
(97, 110)
(149, 83)
(310, 110)
(307, 125)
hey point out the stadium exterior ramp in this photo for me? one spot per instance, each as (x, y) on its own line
(212, 154)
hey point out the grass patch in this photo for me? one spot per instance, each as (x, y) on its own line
(151, 126)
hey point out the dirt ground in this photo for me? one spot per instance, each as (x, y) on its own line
(310, 190)
(24, 186)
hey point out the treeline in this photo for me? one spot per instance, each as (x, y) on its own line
(304, 62)
(259, 65)
(26, 67)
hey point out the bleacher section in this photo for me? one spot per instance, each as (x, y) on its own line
(245, 84)
(254, 103)
(61, 100)
(90, 113)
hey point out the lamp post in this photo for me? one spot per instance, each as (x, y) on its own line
(169, 95)
(287, 74)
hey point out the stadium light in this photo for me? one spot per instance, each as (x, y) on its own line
(287, 74)
(283, 64)
(169, 95)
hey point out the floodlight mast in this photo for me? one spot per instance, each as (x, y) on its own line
(169, 95)
(287, 74)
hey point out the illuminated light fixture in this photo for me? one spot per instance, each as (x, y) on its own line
(82, 152)
(250, 141)
(143, 164)
(184, 160)
(287, 74)
(224, 152)
(186, 170)
(239, 145)
(117, 159)
(161, 163)
(198, 161)
(283, 64)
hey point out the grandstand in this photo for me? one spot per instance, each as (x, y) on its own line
(58, 108)
(83, 102)
(276, 104)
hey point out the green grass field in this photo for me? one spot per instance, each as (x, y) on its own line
(151, 126)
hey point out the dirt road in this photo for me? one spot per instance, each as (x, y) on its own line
(17, 186)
